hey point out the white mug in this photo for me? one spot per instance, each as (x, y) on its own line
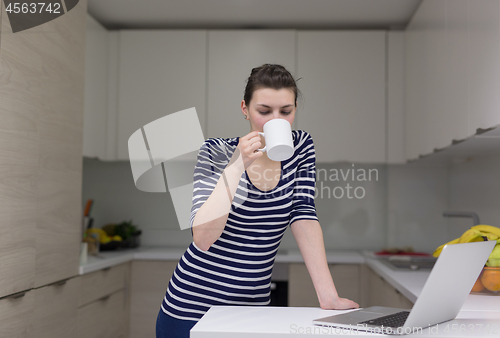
(278, 136)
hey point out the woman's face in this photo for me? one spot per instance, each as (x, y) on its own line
(268, 104)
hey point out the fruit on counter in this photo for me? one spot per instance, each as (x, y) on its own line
(494, 258)
(489, 229)
(109, 229)
(491, 278)
(437, 252)
(103, 236)
(476, 233)
(478, 286)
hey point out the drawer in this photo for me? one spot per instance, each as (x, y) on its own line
(15, 314)
(103, 318)
(98, 284)
(56, 307)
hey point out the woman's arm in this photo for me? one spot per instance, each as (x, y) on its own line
(309, 238)
(211, 218)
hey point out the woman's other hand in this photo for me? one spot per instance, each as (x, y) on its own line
(338, 303)
(246, 152)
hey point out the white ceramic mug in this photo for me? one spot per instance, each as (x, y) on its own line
(278, 136)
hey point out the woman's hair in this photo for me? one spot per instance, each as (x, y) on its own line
(269, 76)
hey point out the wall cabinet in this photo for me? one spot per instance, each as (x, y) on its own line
(452, 73)
(97, 80)
(160, 72)
(343, 81)
(231, 56)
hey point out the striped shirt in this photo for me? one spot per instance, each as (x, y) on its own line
(236, 269)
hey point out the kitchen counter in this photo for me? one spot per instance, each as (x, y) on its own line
(410, 284)
(479, 317)
(272, 322)
(110, 258)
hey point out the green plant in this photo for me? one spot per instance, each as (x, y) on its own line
(125, 229)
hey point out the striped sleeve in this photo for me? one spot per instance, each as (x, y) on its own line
(303, 206)
(211, 162)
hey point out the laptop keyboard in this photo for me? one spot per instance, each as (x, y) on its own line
(394, 320)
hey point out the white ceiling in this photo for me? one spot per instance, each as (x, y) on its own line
(251, 14)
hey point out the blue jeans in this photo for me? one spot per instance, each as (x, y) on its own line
(170, 327)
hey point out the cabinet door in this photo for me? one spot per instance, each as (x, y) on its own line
(59, 182)
(100, 283)
(103, 318)
(16, 315)
(96, 88)
(56, 306)
(231, 56)
(160, 72)
(301, 292)
(381, 293)
(343, 82)
(20, 72)
(457, 104)
(483, 64)
(149, 281)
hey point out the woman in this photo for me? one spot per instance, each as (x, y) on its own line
(242, 204)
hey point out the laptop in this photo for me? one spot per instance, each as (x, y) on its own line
(442, 296)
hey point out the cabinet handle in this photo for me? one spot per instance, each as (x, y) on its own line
(105, 298)
(17, 295)
(60, 283)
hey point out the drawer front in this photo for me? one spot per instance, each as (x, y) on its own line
(15, 315)
(98, 284)
(56, 309)
(103, 318)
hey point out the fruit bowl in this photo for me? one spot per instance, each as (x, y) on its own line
(488, 281)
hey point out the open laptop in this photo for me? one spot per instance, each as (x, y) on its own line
(442, 296)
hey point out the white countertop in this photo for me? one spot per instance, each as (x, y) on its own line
(110, 258)
(272, 322)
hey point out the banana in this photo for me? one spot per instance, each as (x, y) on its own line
(471, 235)
(437, 252)
(487, 228)
(474, 234)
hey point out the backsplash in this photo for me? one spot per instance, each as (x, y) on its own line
(360, 206)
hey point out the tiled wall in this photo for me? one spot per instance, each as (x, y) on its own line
(401, 205)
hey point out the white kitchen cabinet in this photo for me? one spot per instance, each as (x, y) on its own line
(483, 63)
(395, 97)
(456, 94)
(231, 56)
(96, 89)
(343, 80)
(452, 73)
(160, 72)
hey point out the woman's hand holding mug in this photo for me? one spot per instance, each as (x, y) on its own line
(246, 151)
